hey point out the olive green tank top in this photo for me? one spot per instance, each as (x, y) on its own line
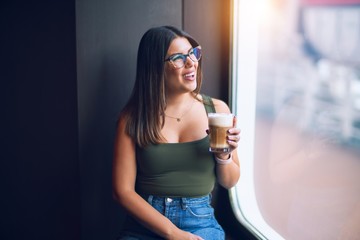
(177, 169)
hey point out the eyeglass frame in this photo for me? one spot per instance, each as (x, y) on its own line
(184, 57)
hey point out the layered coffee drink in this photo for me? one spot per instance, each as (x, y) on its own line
(219, 124)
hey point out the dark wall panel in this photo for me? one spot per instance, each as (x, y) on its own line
(69, 68)
(108, 34)
(40, 185)
(209, 22)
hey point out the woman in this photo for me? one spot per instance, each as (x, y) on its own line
(163, 173)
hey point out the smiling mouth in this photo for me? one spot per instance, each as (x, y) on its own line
(189, 75)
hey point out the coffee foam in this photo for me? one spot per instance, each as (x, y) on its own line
(220, 119)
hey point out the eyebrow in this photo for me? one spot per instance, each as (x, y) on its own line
(180, 53)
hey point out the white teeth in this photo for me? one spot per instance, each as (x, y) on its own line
(189, 75)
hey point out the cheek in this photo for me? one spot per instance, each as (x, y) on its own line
(196, 65)
(170, 78)
(171, 73)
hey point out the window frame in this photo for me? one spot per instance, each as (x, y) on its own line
(243, 65)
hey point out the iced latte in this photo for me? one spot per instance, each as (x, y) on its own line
(219, 124)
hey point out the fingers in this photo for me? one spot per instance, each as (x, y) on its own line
(233, 137)
(234, 134)
(233, 144)
(234, 131)
(195, 237)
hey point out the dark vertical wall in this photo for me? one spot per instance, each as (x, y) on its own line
(67, 68)
(39, 171)
(108, 34)
(209, 22)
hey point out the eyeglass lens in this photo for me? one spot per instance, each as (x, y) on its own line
(179, 60)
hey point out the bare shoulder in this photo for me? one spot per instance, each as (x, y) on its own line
(122, 135)
(122, 123)
(122, 120)
(220, 106)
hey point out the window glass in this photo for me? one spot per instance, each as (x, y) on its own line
(296, 92)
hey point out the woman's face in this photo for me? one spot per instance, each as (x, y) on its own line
(180, 80)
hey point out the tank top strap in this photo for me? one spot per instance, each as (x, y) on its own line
(208, 104)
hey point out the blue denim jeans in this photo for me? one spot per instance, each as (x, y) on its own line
(194, 215)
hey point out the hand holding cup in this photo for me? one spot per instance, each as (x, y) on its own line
(224, 136)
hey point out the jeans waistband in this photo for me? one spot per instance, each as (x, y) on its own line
(177, 200)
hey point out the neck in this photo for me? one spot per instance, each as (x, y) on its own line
(178, 106)
(178, 100)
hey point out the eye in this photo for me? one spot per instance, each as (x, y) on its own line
(196, 52)
(177, 57)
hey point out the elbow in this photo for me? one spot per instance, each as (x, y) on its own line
(116, 196)
(229, 185)
(230, 182)
(121, 197)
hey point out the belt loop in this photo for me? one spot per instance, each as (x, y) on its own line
(183, 203)
(150, 198)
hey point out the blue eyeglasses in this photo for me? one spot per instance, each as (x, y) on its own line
(178, 60)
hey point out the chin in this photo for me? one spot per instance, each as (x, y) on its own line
(193, 87)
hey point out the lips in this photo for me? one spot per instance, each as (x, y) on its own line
(190, 75)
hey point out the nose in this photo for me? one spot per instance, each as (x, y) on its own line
(189, 62)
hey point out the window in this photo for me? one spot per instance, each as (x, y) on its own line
(296, 92)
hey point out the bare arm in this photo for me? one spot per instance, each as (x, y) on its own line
(228, 174)
(124, 176)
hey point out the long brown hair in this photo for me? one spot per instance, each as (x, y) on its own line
(144, 112)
